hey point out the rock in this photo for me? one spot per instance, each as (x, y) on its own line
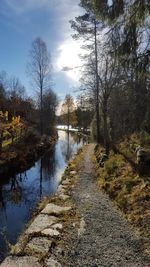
(39, 245)
(52, 263)
(61, 189)
(54, 209)
(66, 182)
(143, 156)
(57, 226)
(81, 229)
(18, 248)
(103, 158)
(40, 223)
(25, 261)
(73, 172)
(63, 197)
(50, 232)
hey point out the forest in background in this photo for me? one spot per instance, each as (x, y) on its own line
(24, 116)
(27, 124)
(115, 72)
(116, 84)
(114, 98)
(114, 101)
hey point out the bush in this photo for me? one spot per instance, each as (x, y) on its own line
(122, 198)
(144, 138)
(31, 136)
(113, 163)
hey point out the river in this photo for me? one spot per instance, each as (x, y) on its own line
(20, 194)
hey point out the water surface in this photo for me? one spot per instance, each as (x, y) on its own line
(19, 194)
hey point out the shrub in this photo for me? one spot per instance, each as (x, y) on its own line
(31, 136)
(113, 163)
(122, 198)
(144, 138)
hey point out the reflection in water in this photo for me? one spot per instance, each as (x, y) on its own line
(2, 203)
(68, 148)
(41, 177)
(20, 193)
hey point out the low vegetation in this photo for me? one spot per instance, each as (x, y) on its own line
(121, 180)
(24, 150)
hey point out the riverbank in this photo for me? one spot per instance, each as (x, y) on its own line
(81, 132)
(20, 193)
(22, 155)
(78, 226)
(41, 242)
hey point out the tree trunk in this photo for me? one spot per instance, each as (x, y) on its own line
(106, 135)
(41, 110)
(97, 86)
(1, 142)
(68, 119)
(12, 138)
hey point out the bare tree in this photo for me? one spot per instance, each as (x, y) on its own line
(68, 112)
(108, 78)
(87, 28)
(39, 68)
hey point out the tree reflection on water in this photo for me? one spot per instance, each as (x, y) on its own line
(20, 193)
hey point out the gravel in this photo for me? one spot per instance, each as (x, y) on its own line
(104, 238)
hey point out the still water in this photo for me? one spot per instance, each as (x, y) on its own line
(20, 194)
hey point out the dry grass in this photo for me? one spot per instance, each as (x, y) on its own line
(130, 190)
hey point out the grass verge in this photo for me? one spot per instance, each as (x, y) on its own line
(129, 189)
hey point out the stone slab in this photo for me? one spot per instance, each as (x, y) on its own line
(57, 226)
(66, 182)
(26, 261)
(73, 172)
(40, 245)
(40, 223)
(54, 209)
(18, 248)
(61, 189)
(50, 232)
(64, 197)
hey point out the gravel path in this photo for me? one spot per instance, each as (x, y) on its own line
(104, 238)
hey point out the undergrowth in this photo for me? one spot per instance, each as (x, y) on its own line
(129, 189)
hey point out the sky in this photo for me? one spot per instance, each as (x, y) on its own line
(21, 21)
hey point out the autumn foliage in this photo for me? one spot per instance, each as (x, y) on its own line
(10, 129)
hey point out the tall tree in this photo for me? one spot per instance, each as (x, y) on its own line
(39, 68)
(84, 112)
(127, 37)
(49, 111)
(86, 27)
(108, 77)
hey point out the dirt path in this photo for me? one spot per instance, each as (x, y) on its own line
(104, 238)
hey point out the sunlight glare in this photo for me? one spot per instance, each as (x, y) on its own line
(69, 57)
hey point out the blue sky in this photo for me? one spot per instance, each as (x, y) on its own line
(21, 21)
